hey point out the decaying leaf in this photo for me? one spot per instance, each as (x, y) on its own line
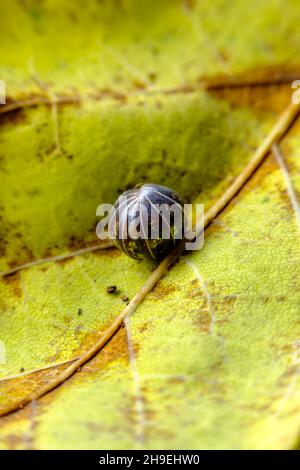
(181, 96)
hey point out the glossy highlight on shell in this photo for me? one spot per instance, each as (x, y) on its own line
(147, 221)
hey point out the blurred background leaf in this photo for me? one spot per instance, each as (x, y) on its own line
(99, 99)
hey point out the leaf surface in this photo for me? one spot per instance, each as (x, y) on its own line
(210, 358)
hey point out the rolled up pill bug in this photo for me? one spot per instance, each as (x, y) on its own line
(147, 221)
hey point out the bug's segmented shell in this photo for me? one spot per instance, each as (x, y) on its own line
(147, 221)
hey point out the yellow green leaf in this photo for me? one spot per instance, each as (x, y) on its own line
(101, 99)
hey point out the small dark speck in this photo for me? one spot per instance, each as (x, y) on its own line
(79, 311)
(125, 299)
(22, 370)
(152, 76)
(111, 289)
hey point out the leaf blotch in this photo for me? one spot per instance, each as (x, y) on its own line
(163, 290)
(13, 281)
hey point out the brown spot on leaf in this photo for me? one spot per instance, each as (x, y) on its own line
(14, 441)
(106, 93)
(261, 99)
(189, 4)
(115, 350)
(139, 85)
(163, 289)
(13, 281)
(23, 255)
(12, 117)
(143, 327)
(152, 76)
(204, 320)
(285, 379)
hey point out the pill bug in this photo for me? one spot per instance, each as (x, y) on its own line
(147, 221)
